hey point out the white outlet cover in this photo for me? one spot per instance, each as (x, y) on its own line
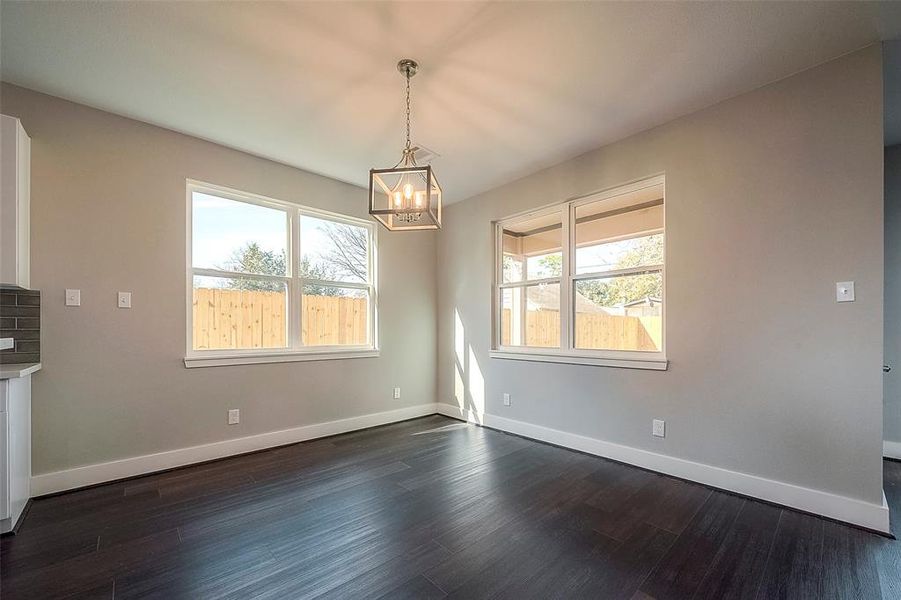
(73, 297)
(506, 399)
(234, 416)
(397, 393)
(844, 291)
(124, 299)
(658, 428)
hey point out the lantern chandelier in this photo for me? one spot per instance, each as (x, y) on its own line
(406, 196)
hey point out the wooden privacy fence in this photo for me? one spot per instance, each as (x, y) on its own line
(226, 318)
(335, 320)
(593, 330)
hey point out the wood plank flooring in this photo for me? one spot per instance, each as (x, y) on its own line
(435, 508)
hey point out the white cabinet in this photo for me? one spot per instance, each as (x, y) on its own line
(15, 201)
(4, 456)
(15, 449)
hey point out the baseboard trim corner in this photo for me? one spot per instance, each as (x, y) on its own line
(891, 450)
(88, 475)
(841, 508)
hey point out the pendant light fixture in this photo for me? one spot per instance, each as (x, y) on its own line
(406, 196)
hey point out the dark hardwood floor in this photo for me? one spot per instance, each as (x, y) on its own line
(435, 508)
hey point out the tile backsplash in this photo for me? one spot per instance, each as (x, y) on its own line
(20, 319)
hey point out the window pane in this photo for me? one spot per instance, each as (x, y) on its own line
(239, 313)
(530, 316)
(333, 251)
(532, 249)
(620, 313)
(237, 236)
(635, 252)
(335, 316)
(620, 232)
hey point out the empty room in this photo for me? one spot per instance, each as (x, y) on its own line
(509, 300)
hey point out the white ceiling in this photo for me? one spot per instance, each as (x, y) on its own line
(505, 88)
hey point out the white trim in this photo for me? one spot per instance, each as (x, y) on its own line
(566, 310)
(295, 350)
(199, 272)
(192, 362)
(642, 270)
(850, 510)
(49, 483)
(566, 352)
(891, 449)
(528, 283)
(575, 359)
(621, 190)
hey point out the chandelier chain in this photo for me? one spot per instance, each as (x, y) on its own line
(408, 110)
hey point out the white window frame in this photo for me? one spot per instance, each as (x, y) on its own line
(296, 350)
(568, 353)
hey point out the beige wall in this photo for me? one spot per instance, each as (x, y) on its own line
(892, 426)
(108, 214)
(772, 197)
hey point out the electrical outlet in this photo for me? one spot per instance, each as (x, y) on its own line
(506, 399)
(659, 428)
(397, 393)
(124, 299)
(234, 416)
(73, 297)
(844, 291)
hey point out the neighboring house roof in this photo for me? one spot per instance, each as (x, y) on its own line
(647, 300)
(547, 297)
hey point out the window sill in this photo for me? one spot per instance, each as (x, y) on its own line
(192, 362)
(654, 364)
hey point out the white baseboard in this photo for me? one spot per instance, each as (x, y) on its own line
(864, 514)
(48, 483)
(850, 510)
(891, 449)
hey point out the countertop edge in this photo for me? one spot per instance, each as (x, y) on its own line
(20, 370)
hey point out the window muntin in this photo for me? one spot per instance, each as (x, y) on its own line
(293, 280)
(609, 265)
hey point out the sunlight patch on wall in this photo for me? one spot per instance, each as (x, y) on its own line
(459, 338)
(459, 388)
(476, 387)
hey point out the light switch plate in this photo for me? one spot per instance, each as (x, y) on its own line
(658, 428)
(73, 297)
(124, 299)
(844, 291)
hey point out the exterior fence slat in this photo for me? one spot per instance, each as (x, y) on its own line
(593, 331)
(226, 318)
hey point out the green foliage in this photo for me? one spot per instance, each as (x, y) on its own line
(317, 271)
(622, 290)
(618, 290)
(253, 259)
(553, 264)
